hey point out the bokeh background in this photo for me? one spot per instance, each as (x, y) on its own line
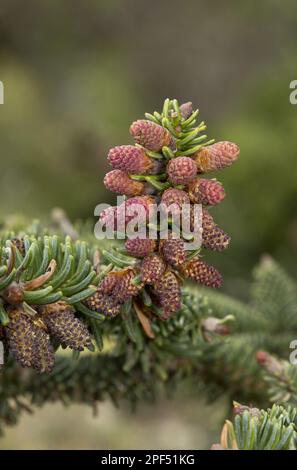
(76, 74)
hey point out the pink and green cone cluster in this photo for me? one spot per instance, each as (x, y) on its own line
(164, 167)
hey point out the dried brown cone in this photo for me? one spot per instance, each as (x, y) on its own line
(152, 268)
(216, 156)
(63, 325)
(139, 247)
(133, 160)
(206, 192)
(28, 343)
(150, 135)
(119, 182)
(168, 292)
(181, 170)
(173, 251)
(213, 237)
(201, 272)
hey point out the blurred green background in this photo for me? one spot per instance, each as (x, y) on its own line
(77, 73)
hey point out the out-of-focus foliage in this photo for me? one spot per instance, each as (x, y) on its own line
(262, 204)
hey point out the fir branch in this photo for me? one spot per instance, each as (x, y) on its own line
(179, 353)
(280, 377)
(275, 294)
(254, 429)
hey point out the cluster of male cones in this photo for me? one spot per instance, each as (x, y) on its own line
(42, 280)
(30, 340)
(165, 166)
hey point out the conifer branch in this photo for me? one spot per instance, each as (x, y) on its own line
(255, 429)
(150, 330)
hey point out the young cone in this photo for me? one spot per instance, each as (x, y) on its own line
(167, 290)
(62, 324)
(173, 199)
(216, 156)
(103, 303)
(186, 109)
(152, 268)
(136, 209)
(206, 192)
(150, 135)
(108, 283)
(114, 290)
(173, 251)
(119, 182)
(213, 237)
(139, 247)
(201, 272)
(181, 170)
(133, 160)
(124, 289)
